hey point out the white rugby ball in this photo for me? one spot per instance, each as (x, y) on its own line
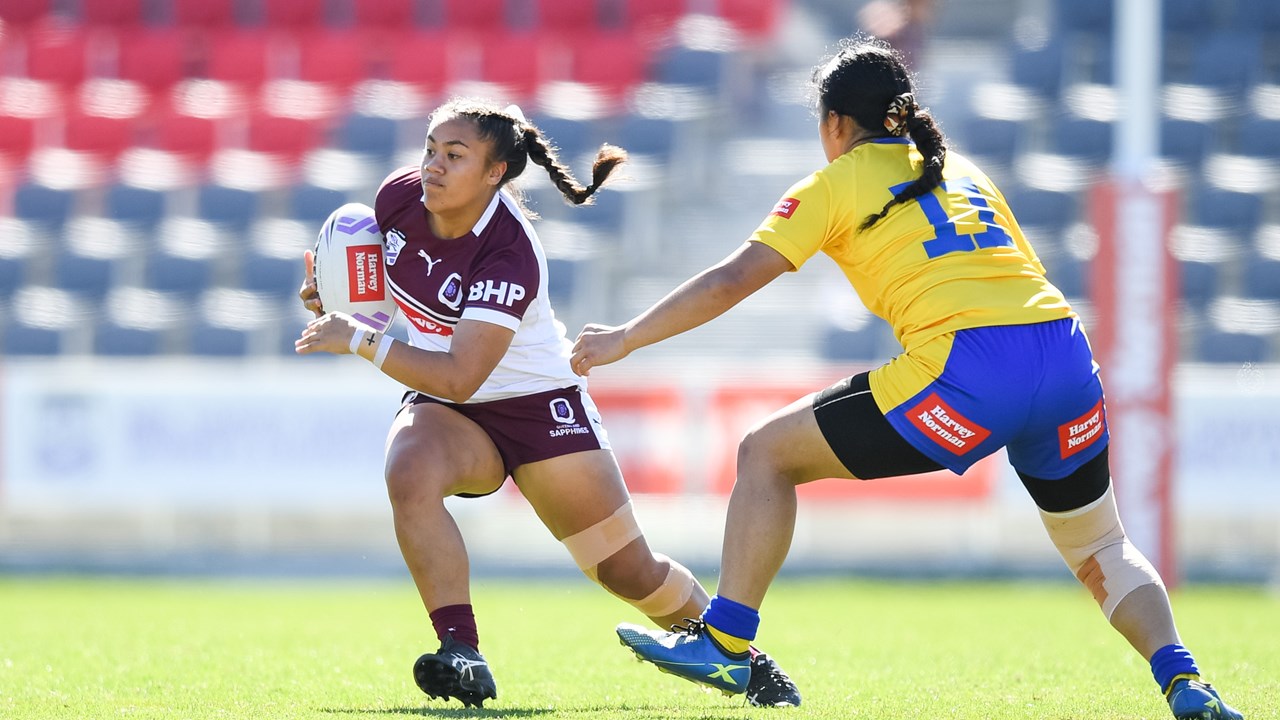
(351, 276)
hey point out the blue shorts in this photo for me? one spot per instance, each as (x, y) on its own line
(1031, 388)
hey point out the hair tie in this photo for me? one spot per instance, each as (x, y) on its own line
(902, 108)
(514, 111)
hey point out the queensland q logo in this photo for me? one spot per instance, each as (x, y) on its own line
(562, 412)
(451, 291)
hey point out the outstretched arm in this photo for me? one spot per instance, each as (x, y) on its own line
(703, 297)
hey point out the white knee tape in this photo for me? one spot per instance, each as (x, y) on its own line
(1092, 542)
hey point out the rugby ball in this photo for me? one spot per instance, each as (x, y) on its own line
(351, 276)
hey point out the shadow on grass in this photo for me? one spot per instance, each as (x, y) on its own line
(632, 711)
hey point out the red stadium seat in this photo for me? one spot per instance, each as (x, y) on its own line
(567, 15)
(385, 14)
(423, 58)
(293, 14)
(239, 56)
(613, 61)
(284, 136)
(57, 54)
(23, 12)
(154, 58)
(195, 137)
(481, 15)
(332, 56)
(104, 136)
(652, 17)
(517, 61)
(204, 13)
(755, 18)
(111, 12)
(17, 136)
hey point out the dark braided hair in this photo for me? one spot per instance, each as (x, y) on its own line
(867, 81)
(515, 141)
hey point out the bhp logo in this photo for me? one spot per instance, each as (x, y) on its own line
(364, 273)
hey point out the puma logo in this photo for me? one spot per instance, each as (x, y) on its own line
(430, 263)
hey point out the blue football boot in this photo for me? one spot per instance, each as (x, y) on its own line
(689, 652)
(1192, 699)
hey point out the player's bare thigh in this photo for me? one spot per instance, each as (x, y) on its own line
(433, 452)
(789, 443)
(570, 493)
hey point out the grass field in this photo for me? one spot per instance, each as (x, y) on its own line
(342, 650)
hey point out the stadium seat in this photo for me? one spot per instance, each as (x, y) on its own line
(17, 137)
(16, 254)
(240, 56)
(286, 136)
(293, 14)
(205, 14)
(992, 138)
(1262, 265)
(680, 65)
(605, 214)
(1185, 16)
(228, 321)
(98, 13)
(563, 16)
(138, 322)
(194, 137)
(614, 62)
(378, 137)
(229, 206)
(518, 61)
(756, 19)
(386, 14)
(1225, 60)
(1239, 212)
(649, 136)
(23, 339)
(474, 15)
(425, 59)
(1186, 141)
(1255, 15)
(1204, 256)
(185, 275)
(574, 137)
(562, 278)
(141, 207)
(103, 136)
(312, 204)
(58, 55)
(1082, 138)
(1217, 346)
(1260, 136)
(1084, 16)
(1032, 206)
(23, 12)
(47, 208)
(653, 19)
(1039, 68)
(155, 58)
(335, 57)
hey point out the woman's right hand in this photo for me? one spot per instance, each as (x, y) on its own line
(598, 345)
(309, 295)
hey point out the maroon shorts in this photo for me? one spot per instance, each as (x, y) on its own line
(535, 427)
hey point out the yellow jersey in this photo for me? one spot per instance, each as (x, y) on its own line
(952, 259)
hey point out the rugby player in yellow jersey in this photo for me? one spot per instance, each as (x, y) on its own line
(993, 357)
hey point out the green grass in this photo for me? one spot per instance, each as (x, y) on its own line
(341, 650)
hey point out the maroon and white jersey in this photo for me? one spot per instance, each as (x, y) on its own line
(497, 273)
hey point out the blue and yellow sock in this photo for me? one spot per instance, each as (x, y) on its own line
(731, 625)
(1172, 663)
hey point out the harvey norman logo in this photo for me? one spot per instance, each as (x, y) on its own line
(943, 425)
(364, 272)
(785, 207)
(1082, 432)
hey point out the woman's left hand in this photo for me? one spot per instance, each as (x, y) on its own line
(330, 333)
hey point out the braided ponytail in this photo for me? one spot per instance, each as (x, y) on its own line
(924, 132)
(541, 153)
